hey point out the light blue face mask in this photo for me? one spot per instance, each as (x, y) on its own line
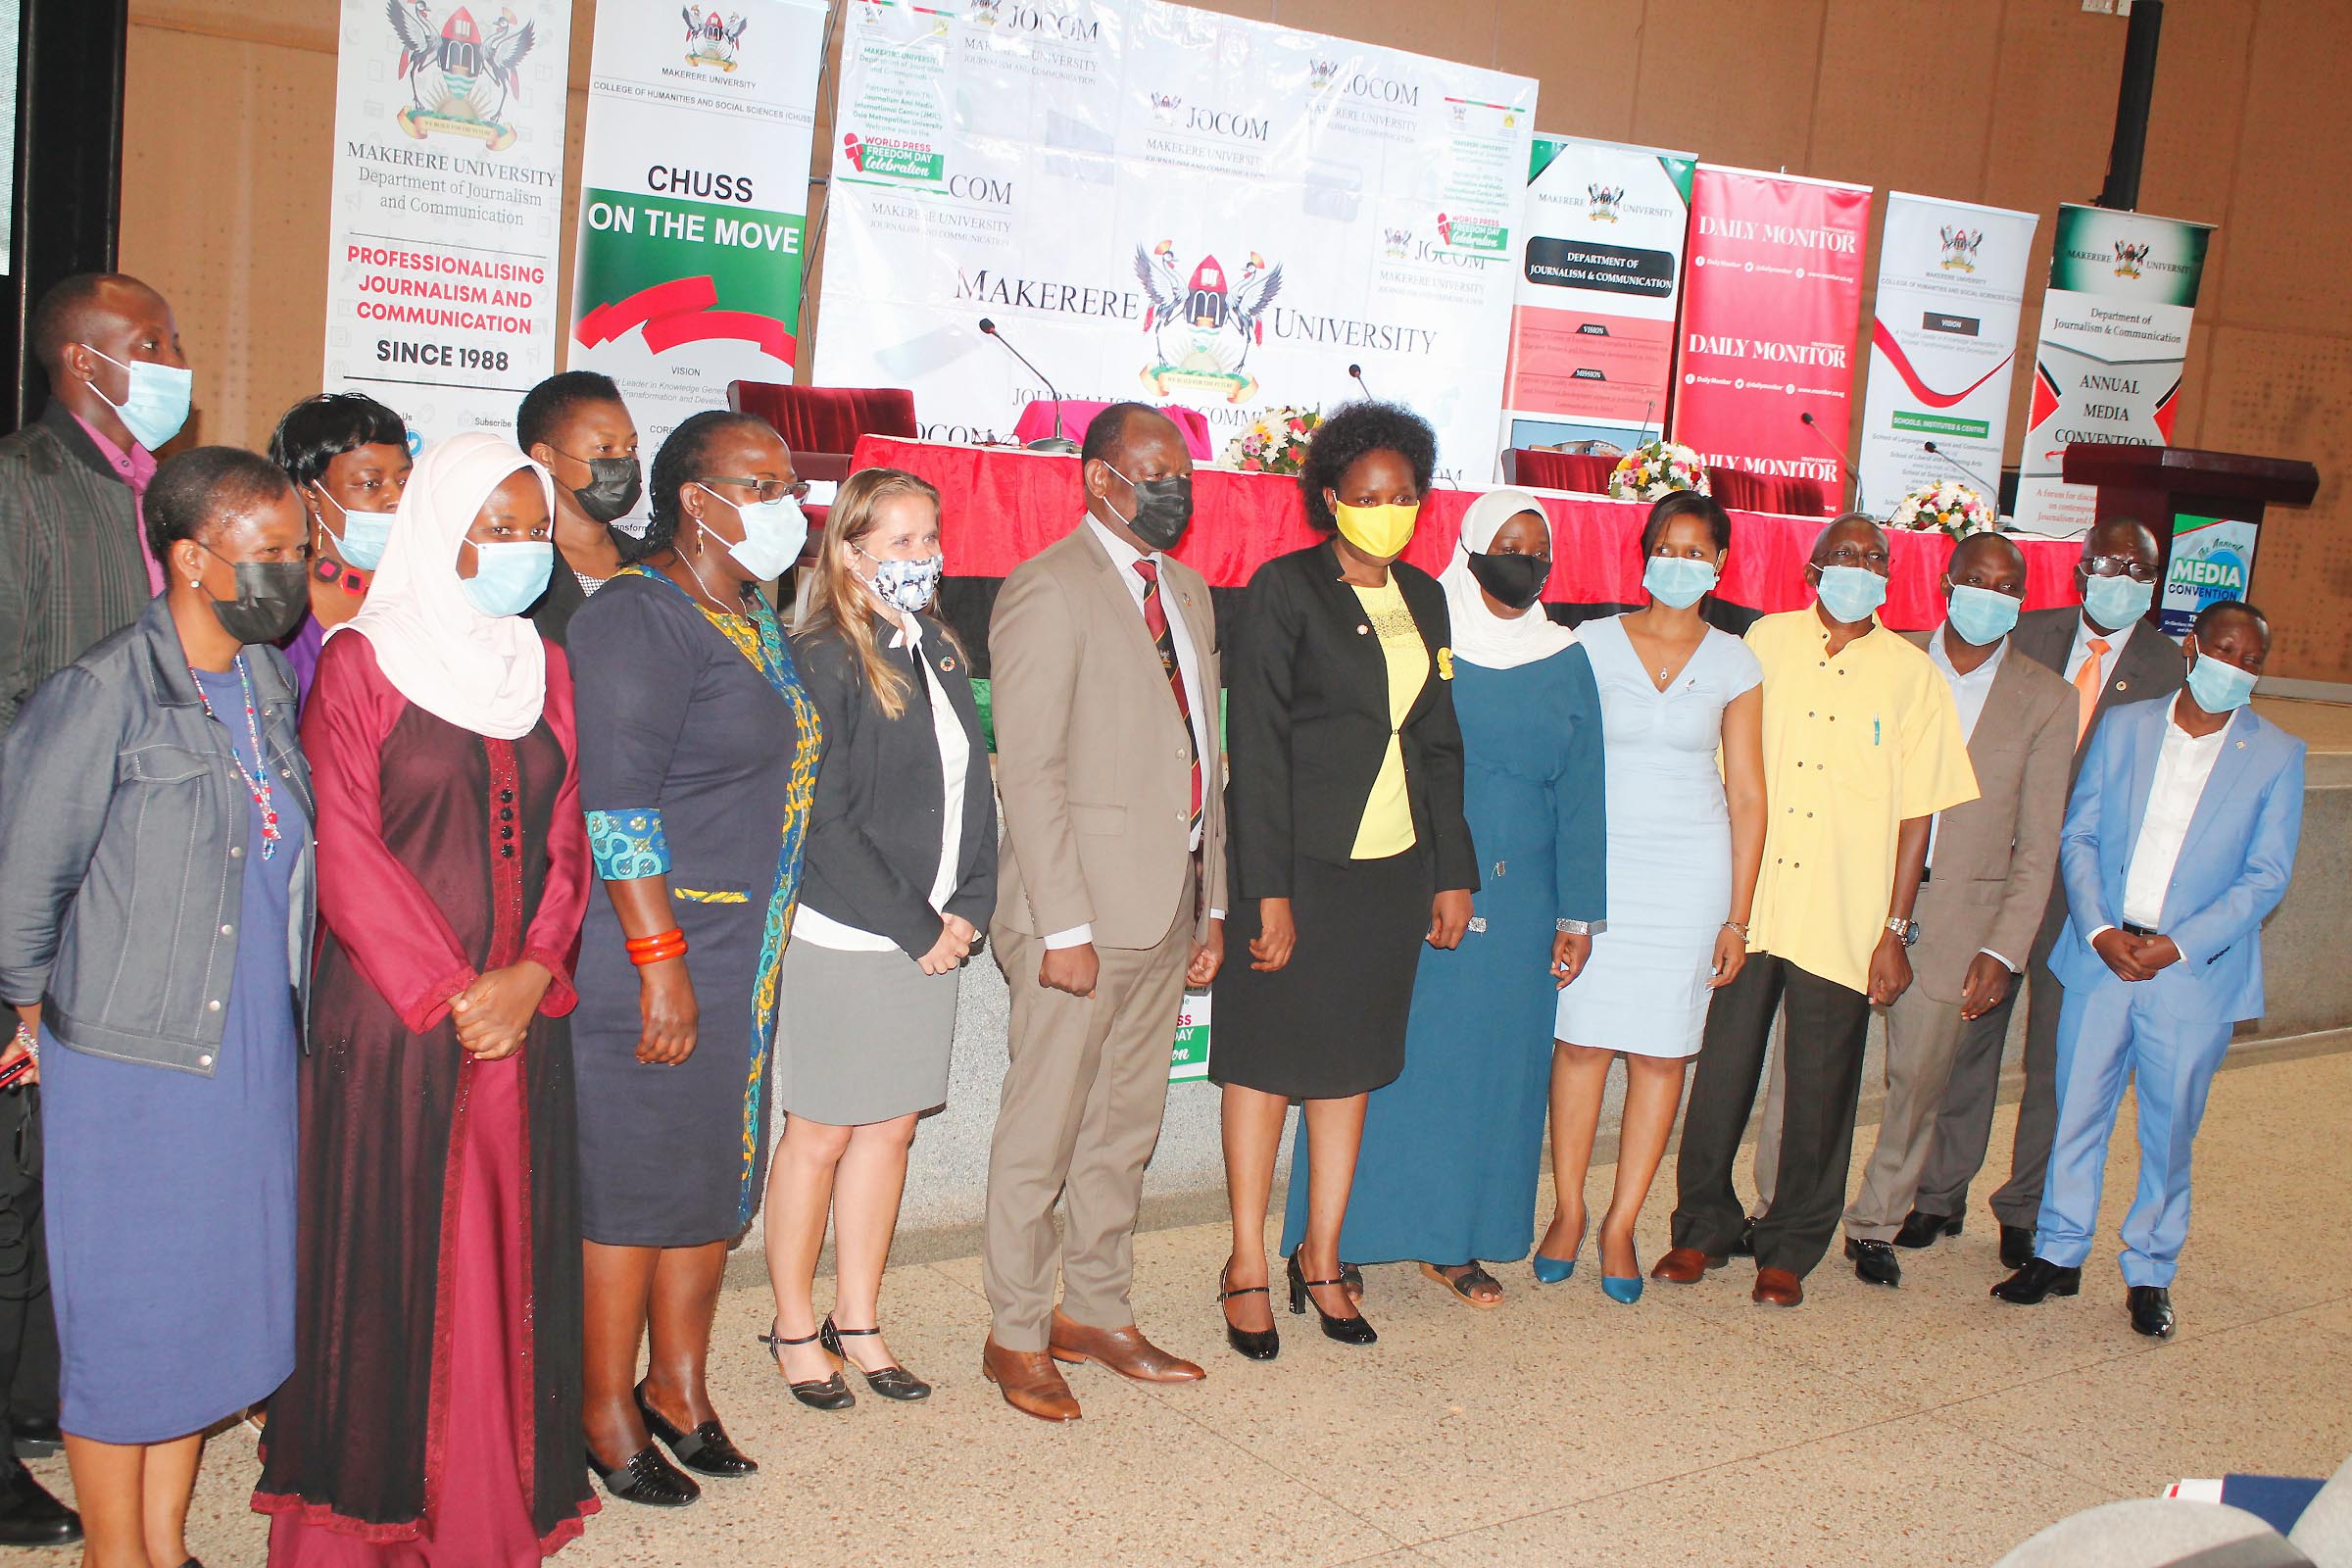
(1850, 593)
(362, 539)
(1678, 581)
(508, 578)
(773, 532)
(2117, 602)
(1982, 617)
(157, 404)
(2219, 687)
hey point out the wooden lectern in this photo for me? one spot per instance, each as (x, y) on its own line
(2159, 485)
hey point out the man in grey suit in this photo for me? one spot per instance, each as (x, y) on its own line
(2110, 654)
(1991, 867)
(1111, 901)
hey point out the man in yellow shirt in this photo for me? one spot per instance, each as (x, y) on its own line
(1862, 747)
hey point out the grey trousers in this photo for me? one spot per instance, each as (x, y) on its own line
(1965, 1125)
(1085, 1084)
(1922, 1035)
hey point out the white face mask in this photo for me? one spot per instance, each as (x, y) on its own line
(773, 532)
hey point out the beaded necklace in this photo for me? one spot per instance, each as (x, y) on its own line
(257, 784)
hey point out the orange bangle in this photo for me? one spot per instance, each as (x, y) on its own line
(661, 955)
(659, 938)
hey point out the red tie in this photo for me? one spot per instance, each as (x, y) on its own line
(1156, 622)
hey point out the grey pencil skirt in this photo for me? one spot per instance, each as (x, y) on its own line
(861, 1037)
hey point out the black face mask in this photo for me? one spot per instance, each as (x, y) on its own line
(612, 488)
(272, 597)
(1514, 580)
(1163, 509)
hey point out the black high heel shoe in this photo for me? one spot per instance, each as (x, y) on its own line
(1258, 1344)
(893, 1382)
(706, 1448)
(647, 1477)
(817, 1393)
(1346, 1330)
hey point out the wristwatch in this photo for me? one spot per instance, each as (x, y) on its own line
(1908, 930)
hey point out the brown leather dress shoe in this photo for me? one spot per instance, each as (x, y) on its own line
(1030, 1382)
(1685, 1266)
(1124, 1351)
(1777, 1287)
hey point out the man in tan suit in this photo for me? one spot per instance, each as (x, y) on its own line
(1989, 868)
(1104, 665)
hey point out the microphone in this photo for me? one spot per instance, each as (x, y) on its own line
(1991, 492)
(1647, 410)
(1845, 467)
(1356, 371)
(1057, 442)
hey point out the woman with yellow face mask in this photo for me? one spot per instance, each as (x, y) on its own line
(1347, 843)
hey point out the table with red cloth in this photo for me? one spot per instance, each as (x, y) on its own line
(1000, 506)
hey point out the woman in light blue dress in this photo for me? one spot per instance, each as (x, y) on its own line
(1685, 834)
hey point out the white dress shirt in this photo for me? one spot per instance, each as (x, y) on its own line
(954, 766)
(2084, 631)
(1123, 556)
(1969, 692)
(2182, 765)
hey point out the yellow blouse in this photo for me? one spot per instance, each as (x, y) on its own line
(1388, 825)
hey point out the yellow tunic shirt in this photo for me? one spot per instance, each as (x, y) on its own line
(1853, 745)
(1388, 825)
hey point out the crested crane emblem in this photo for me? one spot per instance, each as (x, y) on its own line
(1960, 248)
(1203, 330)
(2128, 256)
(711, 41)
(1604, 200)
(459, 78)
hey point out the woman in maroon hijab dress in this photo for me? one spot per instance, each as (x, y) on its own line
(433, 1417)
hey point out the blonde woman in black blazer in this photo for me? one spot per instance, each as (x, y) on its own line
(1349, 847)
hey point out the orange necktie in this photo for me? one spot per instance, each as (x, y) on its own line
(2086, 687)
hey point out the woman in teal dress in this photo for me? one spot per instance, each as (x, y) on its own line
(1453, 1148)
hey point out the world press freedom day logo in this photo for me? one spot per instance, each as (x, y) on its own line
(459, 80)
(710, 42)
(1203, 330)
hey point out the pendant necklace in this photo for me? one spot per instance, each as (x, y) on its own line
(256, 784)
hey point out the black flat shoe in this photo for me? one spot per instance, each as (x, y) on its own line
(2039, 1278)
(647, 1477)
(1346, 1330)
(1745, 1245)
(1875, 1262)
(817, 1393)
(2017, 1245)
(893, 1382)
(1258, 1344)
(28, 1515)
(706, 1448)
(2151, 1308)
(1925, 1230)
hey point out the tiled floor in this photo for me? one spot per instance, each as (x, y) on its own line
(1932, 1426)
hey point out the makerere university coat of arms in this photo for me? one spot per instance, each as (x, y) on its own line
(459, 80)
(1203, 330)
(712, 42)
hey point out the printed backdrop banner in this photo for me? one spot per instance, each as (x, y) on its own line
(442, 239)
(2114, 335)
(1769, 314)
(2211, 560)
(1600, 273)
(694, 193)
(1951, 280)
(1160, 203)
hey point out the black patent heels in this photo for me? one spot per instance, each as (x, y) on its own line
(647, 1477)
(893, 1382)
(1346, 1330)
(1258, 1344)
(705, 1448)
(830, 1393)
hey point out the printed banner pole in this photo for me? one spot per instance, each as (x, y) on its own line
(1769, 313)
(443, 235)
(692, 205)
(1600, 278)
(1942, 346)
(2114, 329)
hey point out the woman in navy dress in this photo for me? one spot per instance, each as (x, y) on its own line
(1452, 1149)
(170, 1120)
(698, 759)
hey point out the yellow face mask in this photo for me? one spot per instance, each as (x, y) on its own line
(1380, 532)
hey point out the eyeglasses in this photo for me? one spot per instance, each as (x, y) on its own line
(761, 489)
(2119, 567)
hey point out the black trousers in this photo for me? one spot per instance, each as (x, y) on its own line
(28, 1322)
(1823, 1046)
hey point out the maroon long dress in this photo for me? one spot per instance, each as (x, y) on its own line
(433, 1417)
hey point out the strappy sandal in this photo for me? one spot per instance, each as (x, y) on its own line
(892, 1382)
(1466, 1282)
(1256, 1344)
(817, 1393)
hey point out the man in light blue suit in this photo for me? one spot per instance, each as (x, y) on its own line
(2178, 840)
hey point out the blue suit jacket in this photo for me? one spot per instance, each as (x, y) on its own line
(2233, 865)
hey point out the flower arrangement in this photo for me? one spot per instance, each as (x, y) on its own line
(1946, 505)
(1274, 443)
(1657, 468)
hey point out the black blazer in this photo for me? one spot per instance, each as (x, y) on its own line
(872, 850)
(1308, 723)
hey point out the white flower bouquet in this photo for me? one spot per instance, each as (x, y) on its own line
(1948, 506)
(1656, 469)
(1274, 443)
